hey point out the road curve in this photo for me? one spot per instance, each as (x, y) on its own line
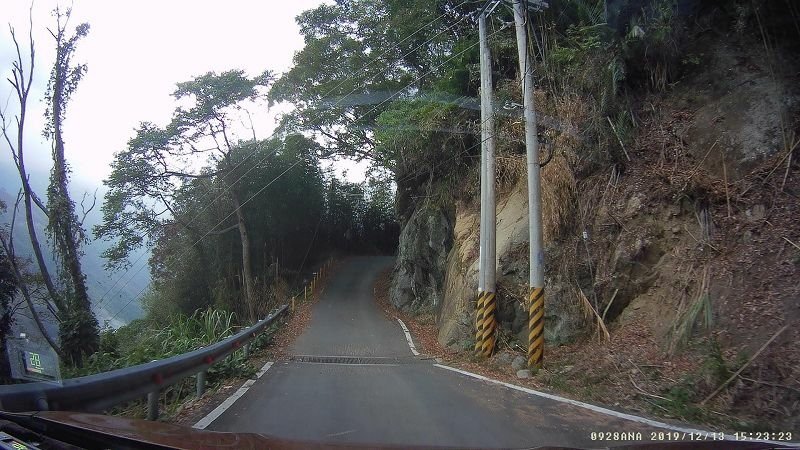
(355, 380)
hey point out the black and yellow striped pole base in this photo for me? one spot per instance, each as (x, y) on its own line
(479, 307)
(536, 328)
(485, 324)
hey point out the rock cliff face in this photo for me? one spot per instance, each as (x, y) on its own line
(455, 317)
(437, 270)
(680, 254)
(638, 231)
(419, 274)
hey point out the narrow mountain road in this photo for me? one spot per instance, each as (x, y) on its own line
(354, 379)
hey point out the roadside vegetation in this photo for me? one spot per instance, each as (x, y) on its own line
(653, 210)
(145, 340)
(231, 223)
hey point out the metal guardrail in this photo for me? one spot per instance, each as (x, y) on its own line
(95, 393)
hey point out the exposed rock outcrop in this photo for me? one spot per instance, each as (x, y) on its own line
(419, 274)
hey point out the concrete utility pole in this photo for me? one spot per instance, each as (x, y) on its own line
(487, 303)
(536, 299)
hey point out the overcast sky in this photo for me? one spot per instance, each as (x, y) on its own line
(136, 51)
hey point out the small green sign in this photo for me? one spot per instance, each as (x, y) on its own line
(33, 363)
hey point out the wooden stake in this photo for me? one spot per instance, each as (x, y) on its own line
(616, 291)
(691, 174)
(786, 174)
(613, 128)
(741, 369)
(795, 245)
(727, 191)
(794, 146)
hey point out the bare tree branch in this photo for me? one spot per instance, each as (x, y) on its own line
(83, 208)
(13, 224)
(39, 203)
(22, 89)
(6, 136)
(215, 233)
(190, 175)
(23, 288)
(252, 127)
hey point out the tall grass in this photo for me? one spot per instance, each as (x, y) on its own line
(699, 311)
(143, 341)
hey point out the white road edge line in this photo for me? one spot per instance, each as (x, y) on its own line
(214, 415)
(600, 409)
(408, 337)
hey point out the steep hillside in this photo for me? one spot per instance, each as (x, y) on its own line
(672, 242)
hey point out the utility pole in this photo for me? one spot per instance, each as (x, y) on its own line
(486, 306)
(536, 299)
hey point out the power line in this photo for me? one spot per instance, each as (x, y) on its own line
(197, 216)
(398, 59)
(211, 230)
(385, 52)
(461, 153)
(362, 116)
(328, 93)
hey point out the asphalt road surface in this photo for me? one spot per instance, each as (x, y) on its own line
(355, 380)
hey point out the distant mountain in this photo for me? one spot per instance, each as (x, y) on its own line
(114, 295)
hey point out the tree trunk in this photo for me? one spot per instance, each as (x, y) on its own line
(26, 189)
(23, 89)
(247, 270)
(79, 330)
(205, 262)
(23, 288)
(79, 326)
(68, 220)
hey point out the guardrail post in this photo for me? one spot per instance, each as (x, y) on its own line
(246, 350)
(201, 383)
(152, 405)
(42, 404)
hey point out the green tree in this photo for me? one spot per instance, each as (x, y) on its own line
(344, 74)
(379, 222)
(425, 145)
(21, 80)
(71, 306)
(78, 326)
(158, 161)
(282, 185)
(8, 289)
(286, 188)
(344, 210)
